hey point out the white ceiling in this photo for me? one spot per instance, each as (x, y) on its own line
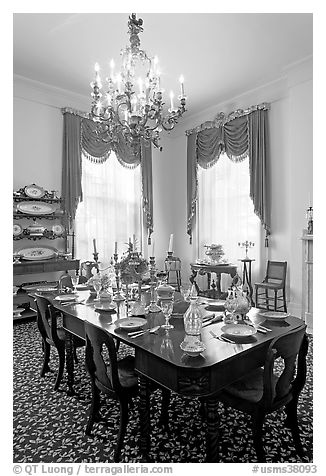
(220, 55)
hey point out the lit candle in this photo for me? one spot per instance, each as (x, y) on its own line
(171, 99)
(97, 76)
(134, 241)
(134, 104)
(94, 245)
(155, 64)
(152, 253)
(140, 84)
(158, 80)
(112, 68)
(171, 243)
(146, 88)
(181, 79)
(116, 247)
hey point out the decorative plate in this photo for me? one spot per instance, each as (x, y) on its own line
(58, 229)
(38, 253)
(193, 349)
(105, 307)
(66, 298)
(36, 208)
(274, 315)
(238, 330)
(17, 230)
(34, 191)
(130, 323)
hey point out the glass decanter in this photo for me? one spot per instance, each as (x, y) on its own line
(163, 291)
(193, 319)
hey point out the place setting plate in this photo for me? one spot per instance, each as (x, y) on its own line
(274, 315)
(105, 307)
(238, 330)
(131, 323)
(66, 298)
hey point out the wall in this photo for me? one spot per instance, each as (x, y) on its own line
(38, 141)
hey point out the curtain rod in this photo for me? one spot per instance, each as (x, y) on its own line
(221, 118)
(76, 112)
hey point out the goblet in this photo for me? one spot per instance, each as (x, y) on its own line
(185, 292)
(97, 286)
(74, 280)
(167, 308)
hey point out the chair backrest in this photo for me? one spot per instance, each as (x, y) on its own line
(276, 271)
(46, 318)
(290, 351)
(102, 369)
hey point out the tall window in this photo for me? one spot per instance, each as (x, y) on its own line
(110, 210)
(225, 211)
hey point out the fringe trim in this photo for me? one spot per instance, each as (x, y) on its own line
(96, 160)
(238, 158)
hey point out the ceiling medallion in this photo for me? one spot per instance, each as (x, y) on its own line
(130, 112)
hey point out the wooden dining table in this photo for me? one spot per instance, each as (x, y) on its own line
(158, 357)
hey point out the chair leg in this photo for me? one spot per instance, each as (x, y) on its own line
(257, 433)
(164, 417)
(292, 422)
(117, 345)
(284, 301)
(94, 409)
(124, 416)
(46, 358)
(75, 355)
(61, 352)
(266, 299)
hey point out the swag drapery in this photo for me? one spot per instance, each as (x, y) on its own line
(240, 134)
(78, 138)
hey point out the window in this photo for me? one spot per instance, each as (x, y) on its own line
(225, 211)
(110, 210)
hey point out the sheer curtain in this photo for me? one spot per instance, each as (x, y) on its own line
(110, 210)
(226, 212)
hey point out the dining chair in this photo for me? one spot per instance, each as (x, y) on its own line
(273, 281)
(115, 378)
(52, 335)
(173, 265)
(271, 387)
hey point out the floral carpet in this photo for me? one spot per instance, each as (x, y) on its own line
(49, 425)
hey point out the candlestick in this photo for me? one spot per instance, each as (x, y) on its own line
(94, 245)
(117, 297)
(181, 79)
(152, 307)
(115, 247)
(134, 242)
(171, 100)
(171, 243)
(152, 253)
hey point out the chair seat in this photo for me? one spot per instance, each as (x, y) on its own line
(269, 285)
(250, 388)
(126, 371)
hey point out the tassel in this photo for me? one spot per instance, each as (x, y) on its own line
(190, 240)
(149, 242)
(266, 241)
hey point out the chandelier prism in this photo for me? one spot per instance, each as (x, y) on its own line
(132, 107)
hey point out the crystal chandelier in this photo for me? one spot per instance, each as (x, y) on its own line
(132, 108)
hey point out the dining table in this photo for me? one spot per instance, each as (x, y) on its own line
(159, 357)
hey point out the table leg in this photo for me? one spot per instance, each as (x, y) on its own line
(212, 431)
(144, 417)
(70, 362)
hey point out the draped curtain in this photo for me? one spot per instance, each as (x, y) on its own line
(79, 137)
(241, 134)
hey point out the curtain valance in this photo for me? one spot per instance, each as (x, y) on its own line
(79, 137)
(240, 134)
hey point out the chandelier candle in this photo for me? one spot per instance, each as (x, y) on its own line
(171, 243)
(134, 112)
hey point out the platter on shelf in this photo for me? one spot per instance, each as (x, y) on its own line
(58, 229)
(38, 253)
(36, 208)
(17, 229)
(34, 191)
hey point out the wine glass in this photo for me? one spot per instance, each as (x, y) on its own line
(167, 308)
(185, 292)
(97, 286)
(74, 281)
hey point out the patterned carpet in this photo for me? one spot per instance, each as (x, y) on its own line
(49, 426)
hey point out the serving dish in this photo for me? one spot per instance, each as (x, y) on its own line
(34, 191)
(131, 323)
(38, 253)
(238, 330)
(45, 289)
(274, 315)
(17, 229)
(36, 208)
(66, 298)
